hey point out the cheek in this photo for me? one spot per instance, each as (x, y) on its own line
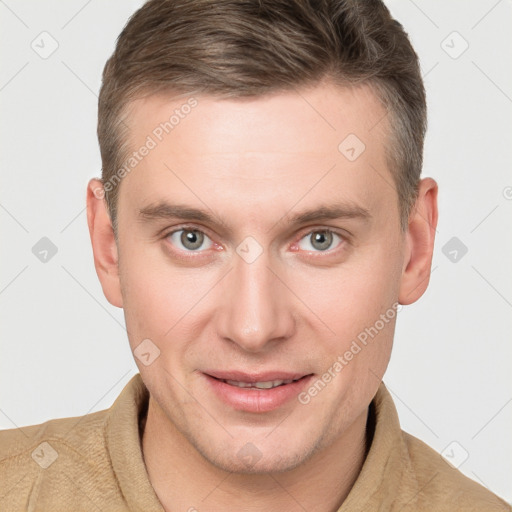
(163, 302)
(357, 301)
(351, 296)
(152, 293)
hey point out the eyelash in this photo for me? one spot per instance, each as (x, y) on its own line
(329, 252)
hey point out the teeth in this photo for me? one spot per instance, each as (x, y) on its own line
(268, 385)
(259, 385)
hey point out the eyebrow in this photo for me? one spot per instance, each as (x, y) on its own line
(340, 210)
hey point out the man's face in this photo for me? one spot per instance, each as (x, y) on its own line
(251, 295)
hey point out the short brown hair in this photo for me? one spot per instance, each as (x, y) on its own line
(237, 48)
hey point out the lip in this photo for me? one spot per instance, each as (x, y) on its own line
(253, 377)
(251, 399)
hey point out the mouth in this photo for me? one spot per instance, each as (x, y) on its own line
(258, 393)
(269, 384)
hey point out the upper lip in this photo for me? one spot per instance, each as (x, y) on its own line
(239, 376)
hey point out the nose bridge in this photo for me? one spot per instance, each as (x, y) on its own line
(255, 307)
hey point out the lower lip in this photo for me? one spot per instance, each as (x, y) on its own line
(256, 400)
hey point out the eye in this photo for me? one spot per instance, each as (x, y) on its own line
(319, 240)
(190, 239)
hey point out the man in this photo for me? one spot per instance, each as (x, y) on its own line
(260, 219)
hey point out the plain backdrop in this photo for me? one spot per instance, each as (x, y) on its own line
(64, 350)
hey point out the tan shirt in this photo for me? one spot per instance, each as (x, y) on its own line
(95, 462)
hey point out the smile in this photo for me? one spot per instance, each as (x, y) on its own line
(256, 393)
(259, 385)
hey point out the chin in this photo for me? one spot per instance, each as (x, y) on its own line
(250, 460)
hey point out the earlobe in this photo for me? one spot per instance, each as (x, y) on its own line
(419, 243)
(103, 242)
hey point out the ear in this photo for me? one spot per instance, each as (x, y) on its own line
(419, 246)
(104, 245)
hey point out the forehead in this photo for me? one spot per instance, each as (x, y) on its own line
(255, 151)
(277, 122)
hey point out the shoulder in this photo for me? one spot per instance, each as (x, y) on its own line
(442, 487)
(67, 431)
(51, 458)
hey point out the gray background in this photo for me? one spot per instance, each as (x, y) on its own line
(64, 350)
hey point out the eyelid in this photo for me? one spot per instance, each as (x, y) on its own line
(313, 229)
(181, 227)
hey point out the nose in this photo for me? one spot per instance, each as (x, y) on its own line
(256, 310)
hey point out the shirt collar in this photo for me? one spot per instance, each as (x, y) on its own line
(124, 445)
(387, 468)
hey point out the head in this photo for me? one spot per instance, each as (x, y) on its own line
(261, 211)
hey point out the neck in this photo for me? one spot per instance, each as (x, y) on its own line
(184, 480)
